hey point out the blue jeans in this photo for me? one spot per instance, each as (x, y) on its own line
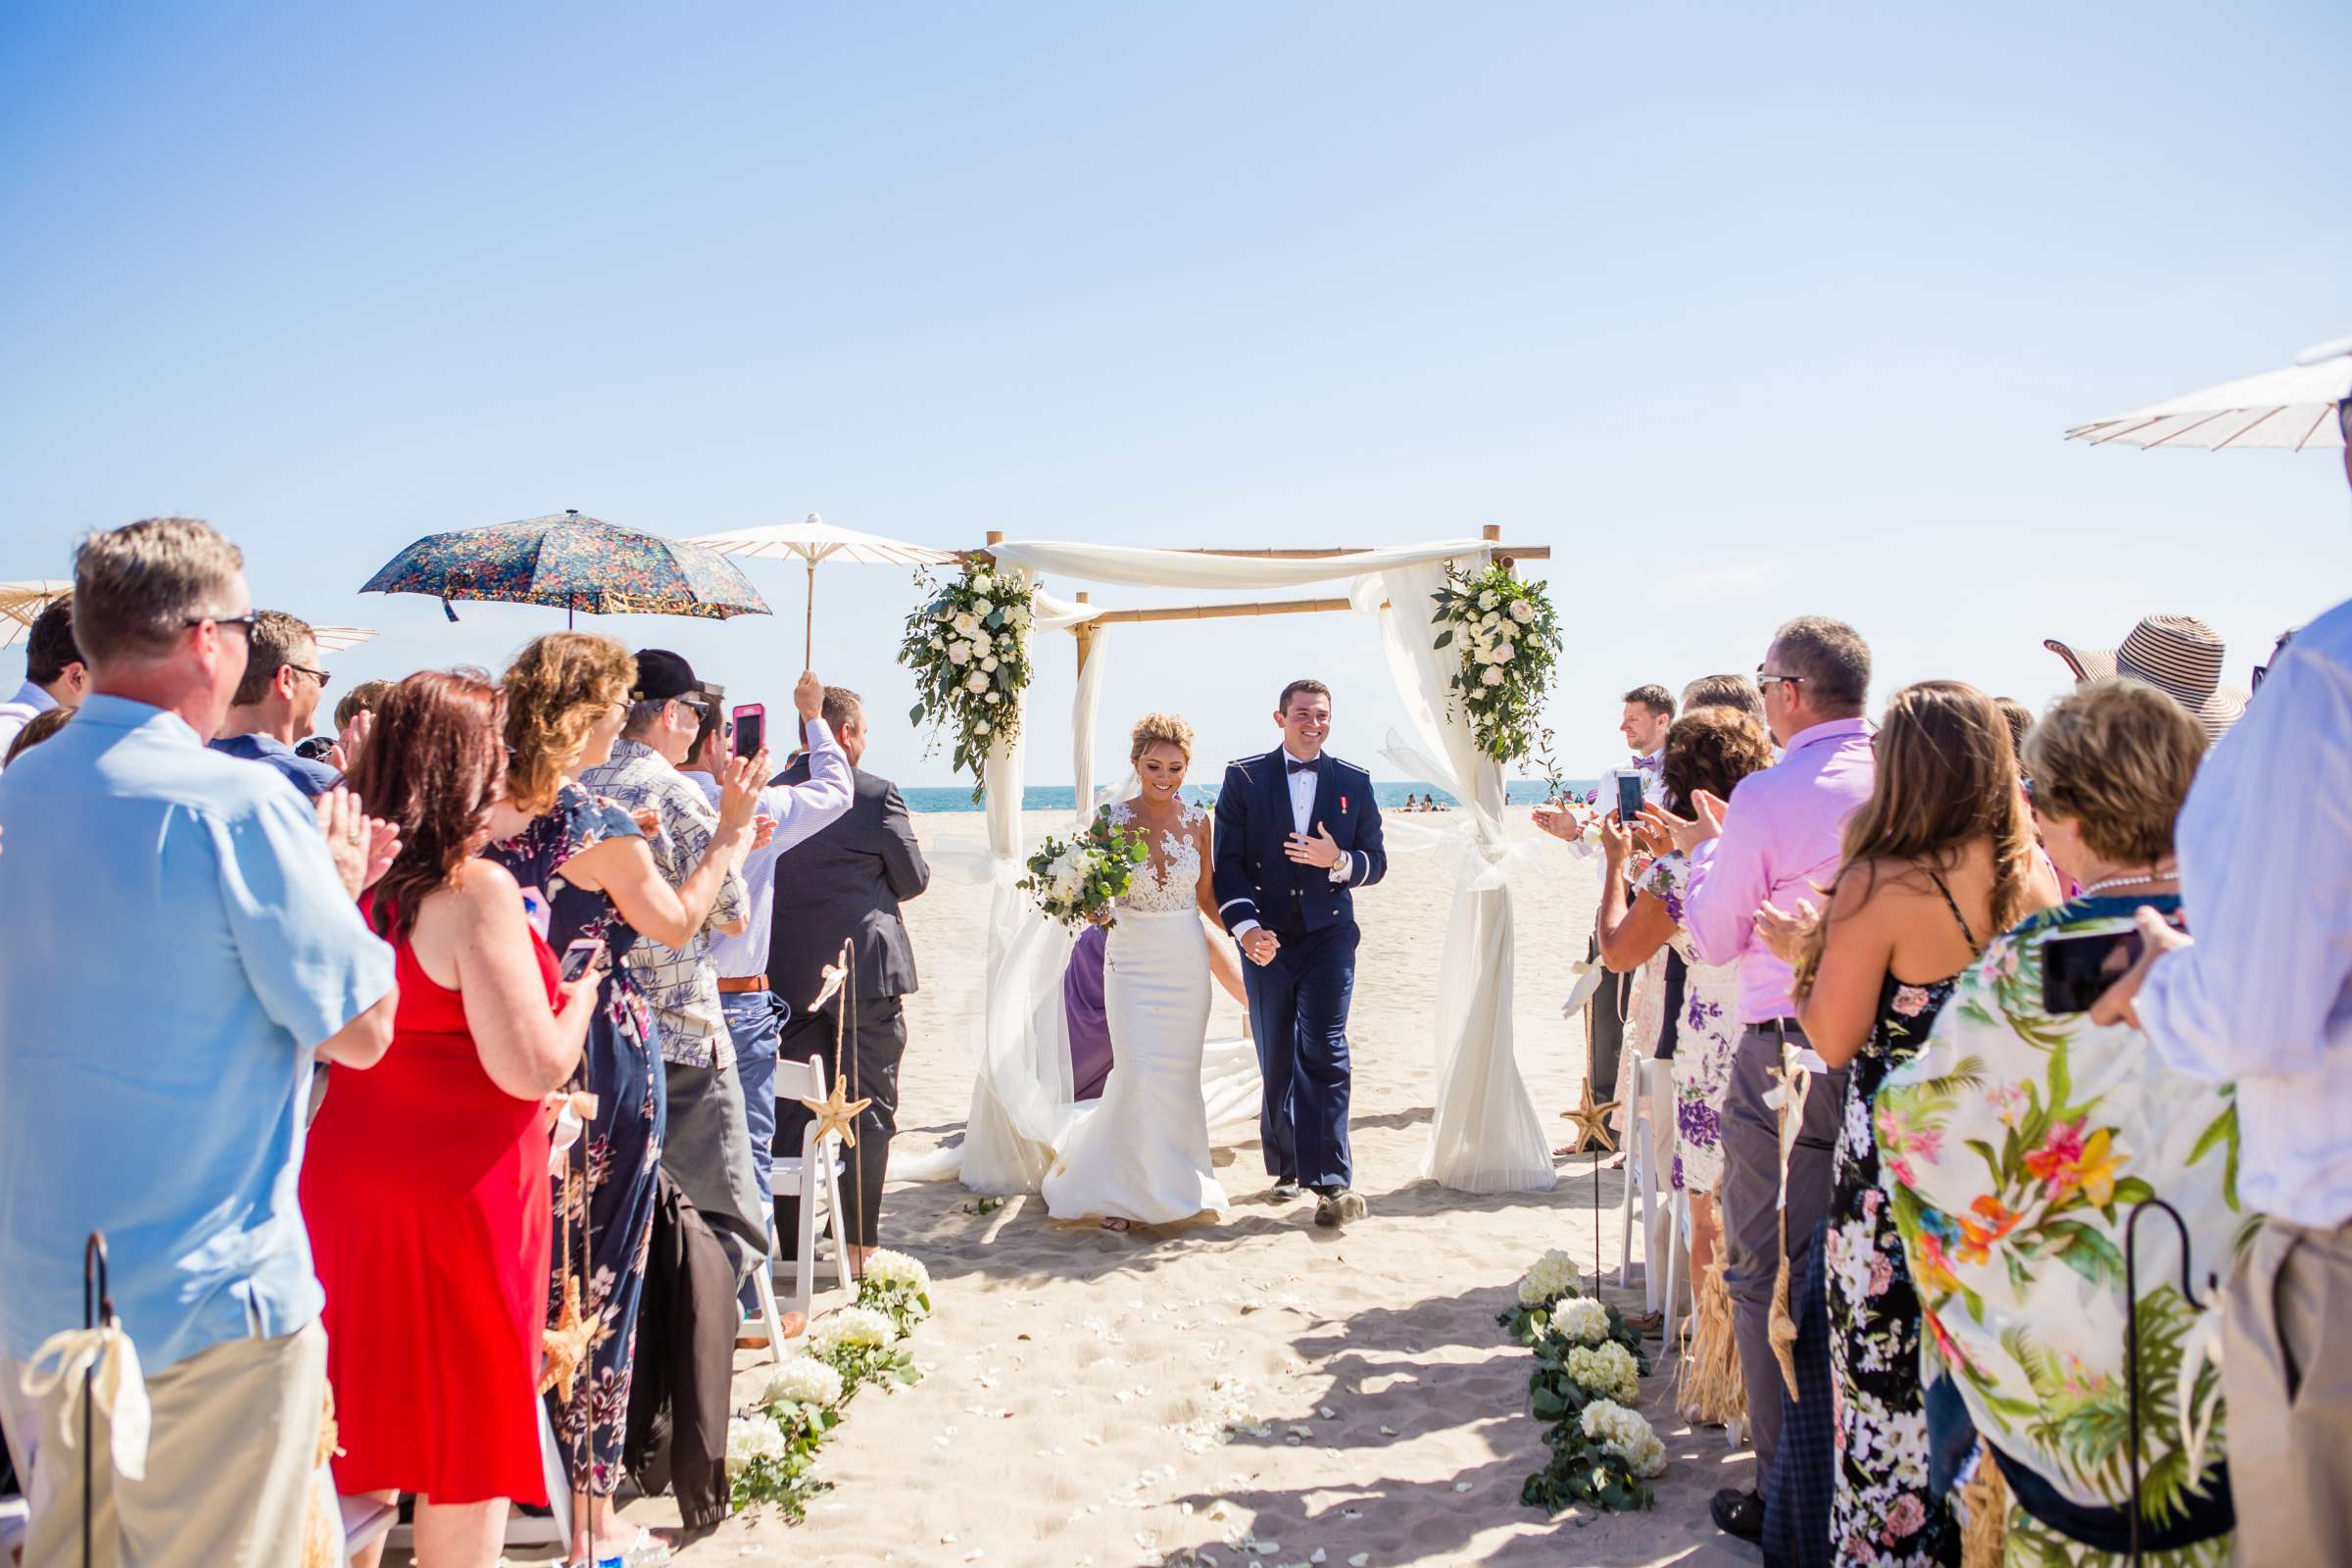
(755, 1021)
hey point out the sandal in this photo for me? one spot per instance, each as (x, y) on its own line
(1112, 1222)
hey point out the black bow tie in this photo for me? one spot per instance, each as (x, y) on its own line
(1293, 764)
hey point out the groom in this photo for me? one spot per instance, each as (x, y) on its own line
(1296, 830)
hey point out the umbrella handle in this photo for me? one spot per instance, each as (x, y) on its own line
(808, 631)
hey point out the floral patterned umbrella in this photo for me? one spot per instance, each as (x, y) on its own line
(582, 564)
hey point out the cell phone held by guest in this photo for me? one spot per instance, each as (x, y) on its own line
(2077, 970)
(579, 957)
(1629, 799)
(750, 728)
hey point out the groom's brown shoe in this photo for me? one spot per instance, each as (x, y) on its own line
(1338, 1205)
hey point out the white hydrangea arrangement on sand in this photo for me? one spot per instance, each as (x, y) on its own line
(967, 647)
(1586, 1379)
(771, 1449)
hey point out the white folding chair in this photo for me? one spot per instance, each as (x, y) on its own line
(814, 1175)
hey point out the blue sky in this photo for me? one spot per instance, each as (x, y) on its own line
(1746, 314)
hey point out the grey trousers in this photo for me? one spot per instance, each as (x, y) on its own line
(708, 1153)
(2289, 1392)
(1750, 1203)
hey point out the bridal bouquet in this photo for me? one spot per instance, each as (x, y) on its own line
(1509, 640)
(968, 647)
(1077, 881)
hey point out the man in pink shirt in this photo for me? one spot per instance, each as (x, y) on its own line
(1776, 842)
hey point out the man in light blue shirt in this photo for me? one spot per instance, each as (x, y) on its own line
(182, 945)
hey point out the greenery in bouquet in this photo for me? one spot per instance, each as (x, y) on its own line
(1509, 641)
(1076, 881)
(968, 649)
(897, 1286)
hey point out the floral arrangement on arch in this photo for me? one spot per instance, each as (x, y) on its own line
(1587, 1382)
(968, 647)
(772, 1448)
(1509, 638)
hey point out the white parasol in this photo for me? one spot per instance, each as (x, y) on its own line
(817, 540)
(341, 639)
(21, 602)
(2291, 410)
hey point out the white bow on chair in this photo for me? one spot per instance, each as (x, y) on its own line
(120, 1388)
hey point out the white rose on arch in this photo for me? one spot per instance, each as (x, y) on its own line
(987, 661)
(1487, 599)
(983, 584)
(1503, 652)
(975, 682)
(994, 698)
(1522, 611)
(960, 654)
(1492, 676)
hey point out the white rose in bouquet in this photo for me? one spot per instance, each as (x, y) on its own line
(1491, 618)
(1492, 676)
(1487, 599)
(967, 623)
(983, 584)
(993, 698)
(1522, 611)
(980, 728)
(939, 645)
(975, 682)
(960, 654)
(1504, 653)
(987, 661)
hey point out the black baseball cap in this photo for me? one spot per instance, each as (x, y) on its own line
(663, 675)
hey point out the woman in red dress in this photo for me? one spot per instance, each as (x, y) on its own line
(424, 1184)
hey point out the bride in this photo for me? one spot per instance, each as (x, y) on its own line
(1141, 1154)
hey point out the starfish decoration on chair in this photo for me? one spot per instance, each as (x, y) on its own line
(567, 1345)
(837, 1112)
(1592, 1122)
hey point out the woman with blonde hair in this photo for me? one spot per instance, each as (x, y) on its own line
(586, 874)
(1141, 1155)
(1939, 858)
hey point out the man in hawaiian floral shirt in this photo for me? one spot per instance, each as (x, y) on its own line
(707, 1146)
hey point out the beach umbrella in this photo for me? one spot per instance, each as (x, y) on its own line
(817, 540)
(2290, 409)
(21, 604)
(341, 639)
(581, 563)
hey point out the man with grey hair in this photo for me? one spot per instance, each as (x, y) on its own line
(276, 700)
(183, 944)
(707, 1149)
(1777, 840)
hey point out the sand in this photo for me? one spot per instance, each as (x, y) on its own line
(1071, 1412)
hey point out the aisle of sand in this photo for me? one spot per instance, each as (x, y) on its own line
(1079, 1379)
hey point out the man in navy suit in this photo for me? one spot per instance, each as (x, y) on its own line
(1297, 830)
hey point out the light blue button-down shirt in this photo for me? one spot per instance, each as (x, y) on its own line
(179, 944)
(2264, 997)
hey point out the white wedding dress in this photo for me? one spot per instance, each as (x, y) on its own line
(1141, 1153)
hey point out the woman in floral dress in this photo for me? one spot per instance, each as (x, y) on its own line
(2019, 1274)
(1709, 749)
(1942, 851)
(586, 873)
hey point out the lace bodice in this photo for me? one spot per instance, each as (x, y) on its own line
(1166, 883)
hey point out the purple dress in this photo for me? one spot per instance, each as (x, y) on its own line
(1090, 1025)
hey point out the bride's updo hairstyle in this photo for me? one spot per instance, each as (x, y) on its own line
(1160, 729)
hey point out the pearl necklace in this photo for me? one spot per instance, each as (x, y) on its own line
(2154, 875)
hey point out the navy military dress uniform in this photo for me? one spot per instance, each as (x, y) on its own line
(1298, 1002)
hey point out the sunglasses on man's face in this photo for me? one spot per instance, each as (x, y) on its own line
(1765, 682)
(248, 620)
(319, 675)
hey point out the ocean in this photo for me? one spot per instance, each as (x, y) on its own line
(1062, 797)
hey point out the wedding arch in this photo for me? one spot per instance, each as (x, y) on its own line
(1485, 1133)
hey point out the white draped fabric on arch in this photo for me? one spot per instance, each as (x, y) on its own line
(1485, 1135)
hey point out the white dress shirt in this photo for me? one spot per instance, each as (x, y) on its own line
(798, 810)
(2262, 999)
(30, 704)
(1301, 785)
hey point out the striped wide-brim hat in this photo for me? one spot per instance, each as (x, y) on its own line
(2178, 654)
